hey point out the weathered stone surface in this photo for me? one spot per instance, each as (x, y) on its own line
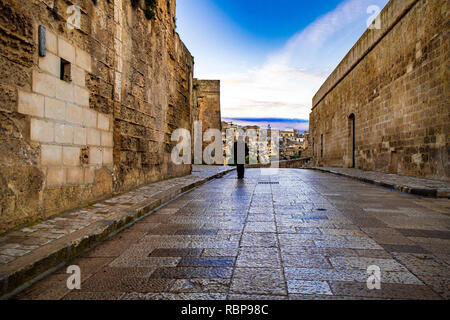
(414, 185)
(131, 87)
(206, 107)
(172, 254)
(31, 251)
(397, 91)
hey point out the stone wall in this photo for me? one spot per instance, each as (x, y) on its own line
(207, 98)
(394, 83)
(66, 142)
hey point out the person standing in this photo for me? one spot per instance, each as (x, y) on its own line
(240, 152)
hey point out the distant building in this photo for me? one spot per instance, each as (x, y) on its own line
(207, 104)
(292, 144)
(259, 141)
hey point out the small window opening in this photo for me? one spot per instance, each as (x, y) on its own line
(66, 71)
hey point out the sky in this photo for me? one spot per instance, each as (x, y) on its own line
(271, 56)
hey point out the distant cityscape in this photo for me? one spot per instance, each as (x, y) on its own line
(292, 142)
(275, 123)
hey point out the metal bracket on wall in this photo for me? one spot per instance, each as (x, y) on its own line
(42, 42)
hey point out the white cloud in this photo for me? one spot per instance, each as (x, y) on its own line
(284, 86)
(307, 42)
(272, 90)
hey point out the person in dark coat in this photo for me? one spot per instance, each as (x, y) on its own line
(240, 152)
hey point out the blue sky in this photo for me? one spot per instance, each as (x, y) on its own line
(271, 56)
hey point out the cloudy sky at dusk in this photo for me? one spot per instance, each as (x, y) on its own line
(271, 56)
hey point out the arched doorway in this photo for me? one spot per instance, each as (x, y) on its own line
(352, 139)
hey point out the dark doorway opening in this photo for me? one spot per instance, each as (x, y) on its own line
(321, 146)
(352, 138)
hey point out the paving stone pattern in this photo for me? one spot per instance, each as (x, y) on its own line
(28, 252)
(305, 235)
(413, 185)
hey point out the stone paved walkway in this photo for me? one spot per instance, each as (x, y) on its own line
(28, 252)
(424, 187)
(296, 234)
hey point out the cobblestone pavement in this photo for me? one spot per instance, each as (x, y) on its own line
(426, 187)
(295, 234)
(26, 241)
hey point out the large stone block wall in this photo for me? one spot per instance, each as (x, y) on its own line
(395, 83)
(64, 143)
(206, 109)
(207, 104)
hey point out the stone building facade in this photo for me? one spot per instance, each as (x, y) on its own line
(87, 110)
(207, 105)
(386, 106)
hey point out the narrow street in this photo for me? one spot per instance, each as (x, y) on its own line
(291, 234)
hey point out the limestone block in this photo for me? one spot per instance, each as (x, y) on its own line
(50, 63)
(51, 155)
(107, 139)
(89, 175)
(93, 137)
(52, 42)
(79, 136)
(66, 50)
(55, 109)
(75, 175)
(31, 104)
(107, 156)
(63, 133)
(64, 91)
(71, 156)
(95, 155)
(44, 83)
(89, 118)
(41, 131)
(78, 76)
(56, 177)
(103, 122)
(81, 96)
(74, 114)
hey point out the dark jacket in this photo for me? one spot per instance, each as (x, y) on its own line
(235, 153)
